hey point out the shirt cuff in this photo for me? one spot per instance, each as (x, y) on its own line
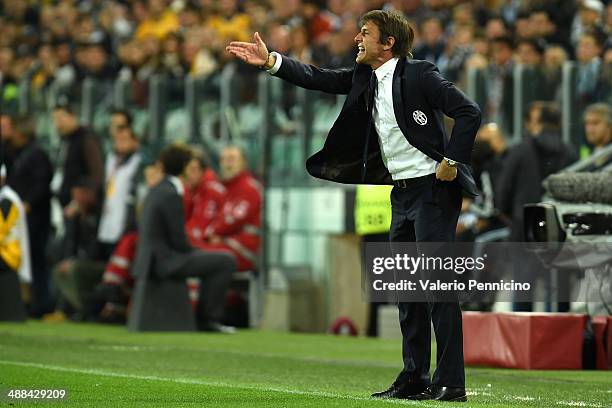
(277, 64)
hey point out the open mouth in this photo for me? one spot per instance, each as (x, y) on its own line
(361, 50)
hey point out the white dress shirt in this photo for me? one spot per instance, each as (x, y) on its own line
(178, 184)
(401, 158)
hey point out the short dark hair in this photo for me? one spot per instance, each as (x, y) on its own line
(392, 24)
(602, 109)
(538, 44)
(64, 105)
(124, 113)
(550, 116)
(199, 154)
(25, 126)
(531, 107)
(174, 159)
(505, 40)
(596, 34)
(543, 10)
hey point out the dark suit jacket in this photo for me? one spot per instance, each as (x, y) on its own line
(163, 247)
(30, 176)
(418, 88)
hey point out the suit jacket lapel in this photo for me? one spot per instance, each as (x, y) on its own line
(362, 78)
(398, 101)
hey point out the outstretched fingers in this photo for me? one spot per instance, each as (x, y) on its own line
(258, 39)
(241, 44)
(239, 54)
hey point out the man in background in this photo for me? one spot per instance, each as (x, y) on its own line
(598, 125)
(163, 249)
(122, 170)
(235, 226)
(30, 177)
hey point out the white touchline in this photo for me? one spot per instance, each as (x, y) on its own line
(198, 382)
(137, 348)
(579, 404)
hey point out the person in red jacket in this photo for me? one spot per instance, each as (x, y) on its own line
(208, 196)
(235, 228)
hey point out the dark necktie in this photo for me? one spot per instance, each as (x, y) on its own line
(370, 93)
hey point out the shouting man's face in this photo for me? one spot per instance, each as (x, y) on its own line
(371, 51)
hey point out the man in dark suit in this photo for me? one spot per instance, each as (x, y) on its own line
(390, 131)
(164, 250)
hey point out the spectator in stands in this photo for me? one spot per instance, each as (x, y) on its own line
(480, 215)
(588, 18)
(325, 21)
(163, 249)
(500, 82)
(459, 47)
(522, 26)
(527, 164)
(115, 20)
(588, 54)
(30, 177)
(339, 50)
(540, 154)
(80, 160)
(65, 74)
(555, 57)
(530, 53)
(235, 228)
(44, 75)
(542, 25)
(159, 21)
(433, 43)
(122, 176)
(197, 55)
(532, 120)
(98, 63)
(228, 22)
(171, 58)
(496, 28)
(300, 44)
(598, 125)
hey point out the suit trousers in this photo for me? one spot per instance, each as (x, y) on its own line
(427, 211)
(215, 269)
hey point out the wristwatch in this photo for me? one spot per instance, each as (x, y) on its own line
(450, 162)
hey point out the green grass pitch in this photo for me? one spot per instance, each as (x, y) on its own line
(104, 366)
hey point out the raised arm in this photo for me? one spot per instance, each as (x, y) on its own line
(303, 75)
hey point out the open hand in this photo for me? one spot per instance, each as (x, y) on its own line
(255, 53)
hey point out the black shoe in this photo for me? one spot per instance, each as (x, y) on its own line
(402, 390)
(216, 327)
(438, 393)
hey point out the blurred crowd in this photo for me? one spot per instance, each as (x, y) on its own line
(58, 43)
